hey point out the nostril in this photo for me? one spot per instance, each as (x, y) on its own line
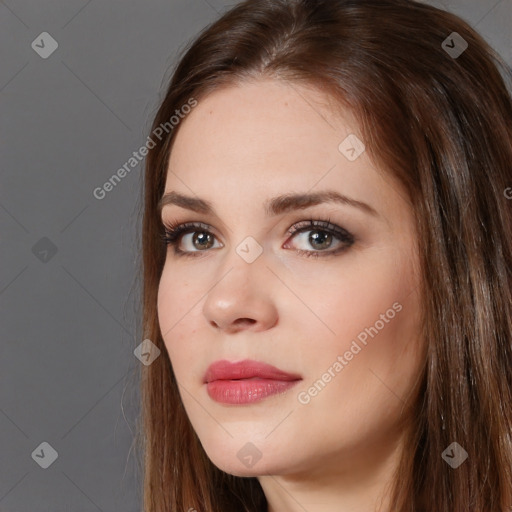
(244, 321)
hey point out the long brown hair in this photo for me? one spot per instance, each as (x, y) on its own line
(442, 124)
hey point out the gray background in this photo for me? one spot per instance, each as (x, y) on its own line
(69, 292)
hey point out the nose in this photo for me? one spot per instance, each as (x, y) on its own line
(242, 298)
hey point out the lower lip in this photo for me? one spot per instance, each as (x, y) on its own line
(246, 391)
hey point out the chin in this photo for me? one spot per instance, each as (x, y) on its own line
(250, 460)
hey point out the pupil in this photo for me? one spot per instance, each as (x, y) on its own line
(201, 237)
(315, 237)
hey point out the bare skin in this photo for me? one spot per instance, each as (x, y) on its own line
(329, 450)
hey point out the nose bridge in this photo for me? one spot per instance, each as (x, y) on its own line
(242, 248)
(240, 291)
(244, 262)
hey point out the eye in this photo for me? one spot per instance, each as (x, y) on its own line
(323, 236)
(202, 237)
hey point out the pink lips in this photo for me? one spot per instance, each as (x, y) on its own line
(246, 381)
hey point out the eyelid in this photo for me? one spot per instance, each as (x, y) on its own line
(321, 225)
(327, 224)
(174, 232)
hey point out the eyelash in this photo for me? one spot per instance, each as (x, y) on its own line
(173, 231)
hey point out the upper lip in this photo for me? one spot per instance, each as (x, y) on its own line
(246, 369)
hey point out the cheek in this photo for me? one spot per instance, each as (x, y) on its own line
(175, 307)
(373, 316)
(354, 299)
(176, 299)
(365, 393)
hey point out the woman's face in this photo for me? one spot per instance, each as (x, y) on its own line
(343, 325)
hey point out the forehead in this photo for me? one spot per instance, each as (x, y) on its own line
(267, 137)
(262, 125)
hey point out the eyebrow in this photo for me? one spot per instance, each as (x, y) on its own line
(273, 207)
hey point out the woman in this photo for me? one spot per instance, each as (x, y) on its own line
(328, 265)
